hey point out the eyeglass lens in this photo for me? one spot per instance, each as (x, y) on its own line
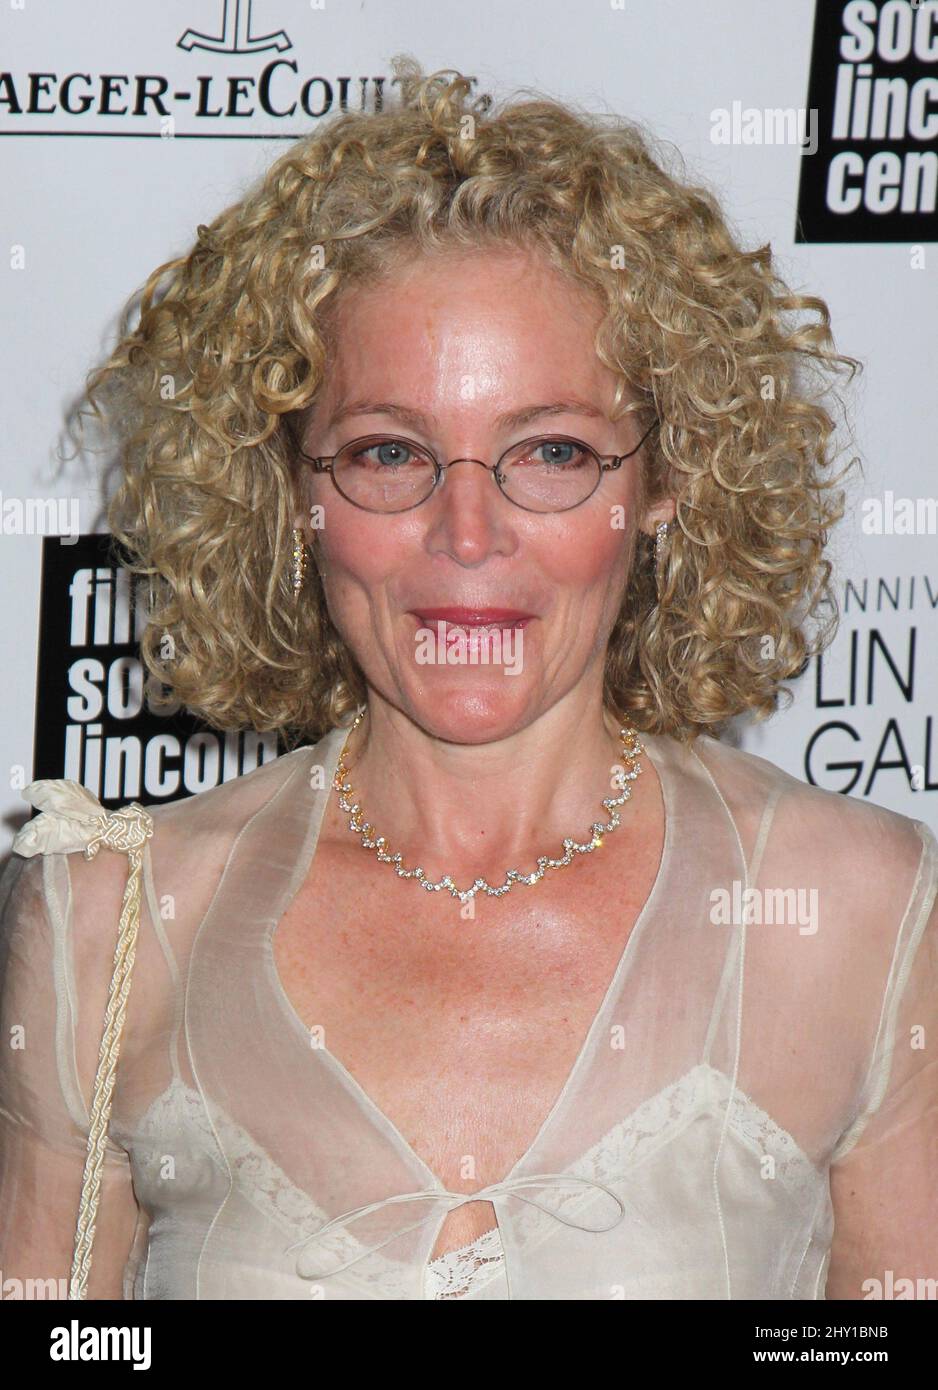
(382, 473)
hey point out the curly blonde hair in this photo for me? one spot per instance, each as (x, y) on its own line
(233, 343)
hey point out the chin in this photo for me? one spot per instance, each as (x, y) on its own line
(458, 712)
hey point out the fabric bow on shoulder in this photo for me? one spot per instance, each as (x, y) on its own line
(72, 819)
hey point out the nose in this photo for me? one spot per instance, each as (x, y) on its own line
(469, 516)
(479, 463)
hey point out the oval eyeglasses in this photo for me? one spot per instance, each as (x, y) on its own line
(547, 473)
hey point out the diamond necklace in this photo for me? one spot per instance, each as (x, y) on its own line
(630, 751)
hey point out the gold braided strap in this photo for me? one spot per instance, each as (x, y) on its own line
(71, 820)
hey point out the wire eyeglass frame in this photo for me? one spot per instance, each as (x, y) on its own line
(323, 463)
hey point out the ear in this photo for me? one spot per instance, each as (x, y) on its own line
(302, 504)
(301, 521)
(663, 510)
(301, 481)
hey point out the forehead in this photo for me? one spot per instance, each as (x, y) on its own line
(468, 320)
(484, 274)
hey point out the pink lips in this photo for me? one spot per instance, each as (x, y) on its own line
(475, 617)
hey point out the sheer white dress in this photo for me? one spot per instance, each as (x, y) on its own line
(772, 1024)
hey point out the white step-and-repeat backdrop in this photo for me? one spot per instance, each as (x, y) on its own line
(125, 123)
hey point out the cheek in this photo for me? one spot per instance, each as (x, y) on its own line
(360, 552)
(594, 560)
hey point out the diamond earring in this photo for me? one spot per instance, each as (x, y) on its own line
(299, 561)
(662, 546)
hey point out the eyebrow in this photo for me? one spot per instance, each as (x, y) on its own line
(416, 419)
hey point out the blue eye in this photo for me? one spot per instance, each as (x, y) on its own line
(555, 453)
(385, 455)
(391, 453)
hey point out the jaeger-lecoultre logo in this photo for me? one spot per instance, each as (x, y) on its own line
(241, 80)
(235, 36)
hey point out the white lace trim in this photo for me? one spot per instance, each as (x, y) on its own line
(459, 1272)
(456, 1272)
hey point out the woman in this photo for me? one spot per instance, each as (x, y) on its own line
(632, 1014)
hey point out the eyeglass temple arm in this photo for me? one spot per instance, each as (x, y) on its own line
(321, 464)
(617, 459)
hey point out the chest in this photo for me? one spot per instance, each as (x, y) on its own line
(462, 1030)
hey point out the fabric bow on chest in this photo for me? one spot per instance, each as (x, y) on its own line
(307, 1259)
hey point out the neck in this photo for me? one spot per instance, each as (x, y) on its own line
(470, 807)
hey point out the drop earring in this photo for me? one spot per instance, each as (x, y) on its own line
(662, 547)
(299, 561)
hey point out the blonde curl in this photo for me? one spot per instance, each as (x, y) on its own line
(233, 343)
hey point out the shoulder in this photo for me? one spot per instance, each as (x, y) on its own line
(871, 865)
(754, 783)
(227, 806)
(194, 837)
(22, 899)
(184, 859)
(191, 838)
(860, 884)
